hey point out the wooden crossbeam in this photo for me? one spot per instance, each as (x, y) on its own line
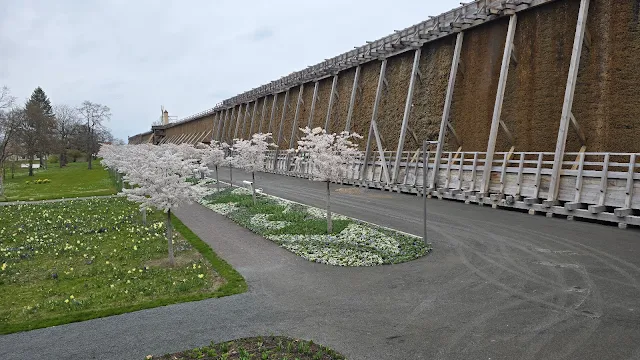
(576, 126)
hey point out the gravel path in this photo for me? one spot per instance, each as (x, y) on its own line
(498, 285)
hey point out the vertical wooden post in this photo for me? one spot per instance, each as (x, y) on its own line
(253, 118)
(235, 132)
(262, 113)
(244, 120)
(447, 107)
(227, 135)
(313, 104)
(294, 128)
(284, 114)
(554, 186)
(273, 114)
(334, 85)
(407, 113)
(352, 100)
(629, 189)
(216, 135)
(497, 109)
(373, 127)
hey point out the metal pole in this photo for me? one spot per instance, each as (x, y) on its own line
(425, 167)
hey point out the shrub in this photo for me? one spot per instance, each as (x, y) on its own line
(53, 159)
(27, 182)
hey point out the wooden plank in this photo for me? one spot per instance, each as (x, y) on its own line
(407, 113)
(461, 171)
(583, 148)
(474, 172)
(221, 129)
(332, 98)
(294, 128)
(447, 106)
(352, 100)
(497, 110)
(629, 189)
(503, 174)
(604, 180)
(579, 178)
(538, 176)
(568, 100)
(448, 178)
(313, 104)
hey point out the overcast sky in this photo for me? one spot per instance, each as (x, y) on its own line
(134, 56)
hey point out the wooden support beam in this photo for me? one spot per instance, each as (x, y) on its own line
(237, 128)
(230, 127)
(284, 114)
(253, 118)
(497, 109)
(244, 120)
(262, 113)
(447, 107)
(221, 129)
(583, 148)
(507, 133)
(313, 104)
(407, 113)
(520, 176)
(273, 114)
(294, 128)
(332, 96)
(576, 126)
(352, 100)
(561, 143)
(373, 127)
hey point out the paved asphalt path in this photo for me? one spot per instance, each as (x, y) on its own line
(498, 285)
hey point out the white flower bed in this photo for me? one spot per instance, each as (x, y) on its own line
(241, 191)
(322, 214)
(329, 249)
(222, 209)
(261, 220)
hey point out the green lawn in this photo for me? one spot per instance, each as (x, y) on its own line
(81, 259)
(74, 180)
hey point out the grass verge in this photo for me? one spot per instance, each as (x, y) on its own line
(265, 348)
(302, 230)
(74, 180)
(83, 259)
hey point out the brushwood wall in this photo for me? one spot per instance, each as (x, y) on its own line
(606, 103)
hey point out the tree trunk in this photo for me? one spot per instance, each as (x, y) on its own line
(253, 187)
(231, 176)
(13, 169)
(31, 165)
(172, 260)
(89, 143)
(217, 181)
(2, 182)
(329, 223)
(144, 216)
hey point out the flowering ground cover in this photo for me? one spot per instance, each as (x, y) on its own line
(302, 230)
(74, 180)
(266, 348)
(75, 260)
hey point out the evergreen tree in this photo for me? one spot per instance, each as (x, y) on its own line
(39, 128)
